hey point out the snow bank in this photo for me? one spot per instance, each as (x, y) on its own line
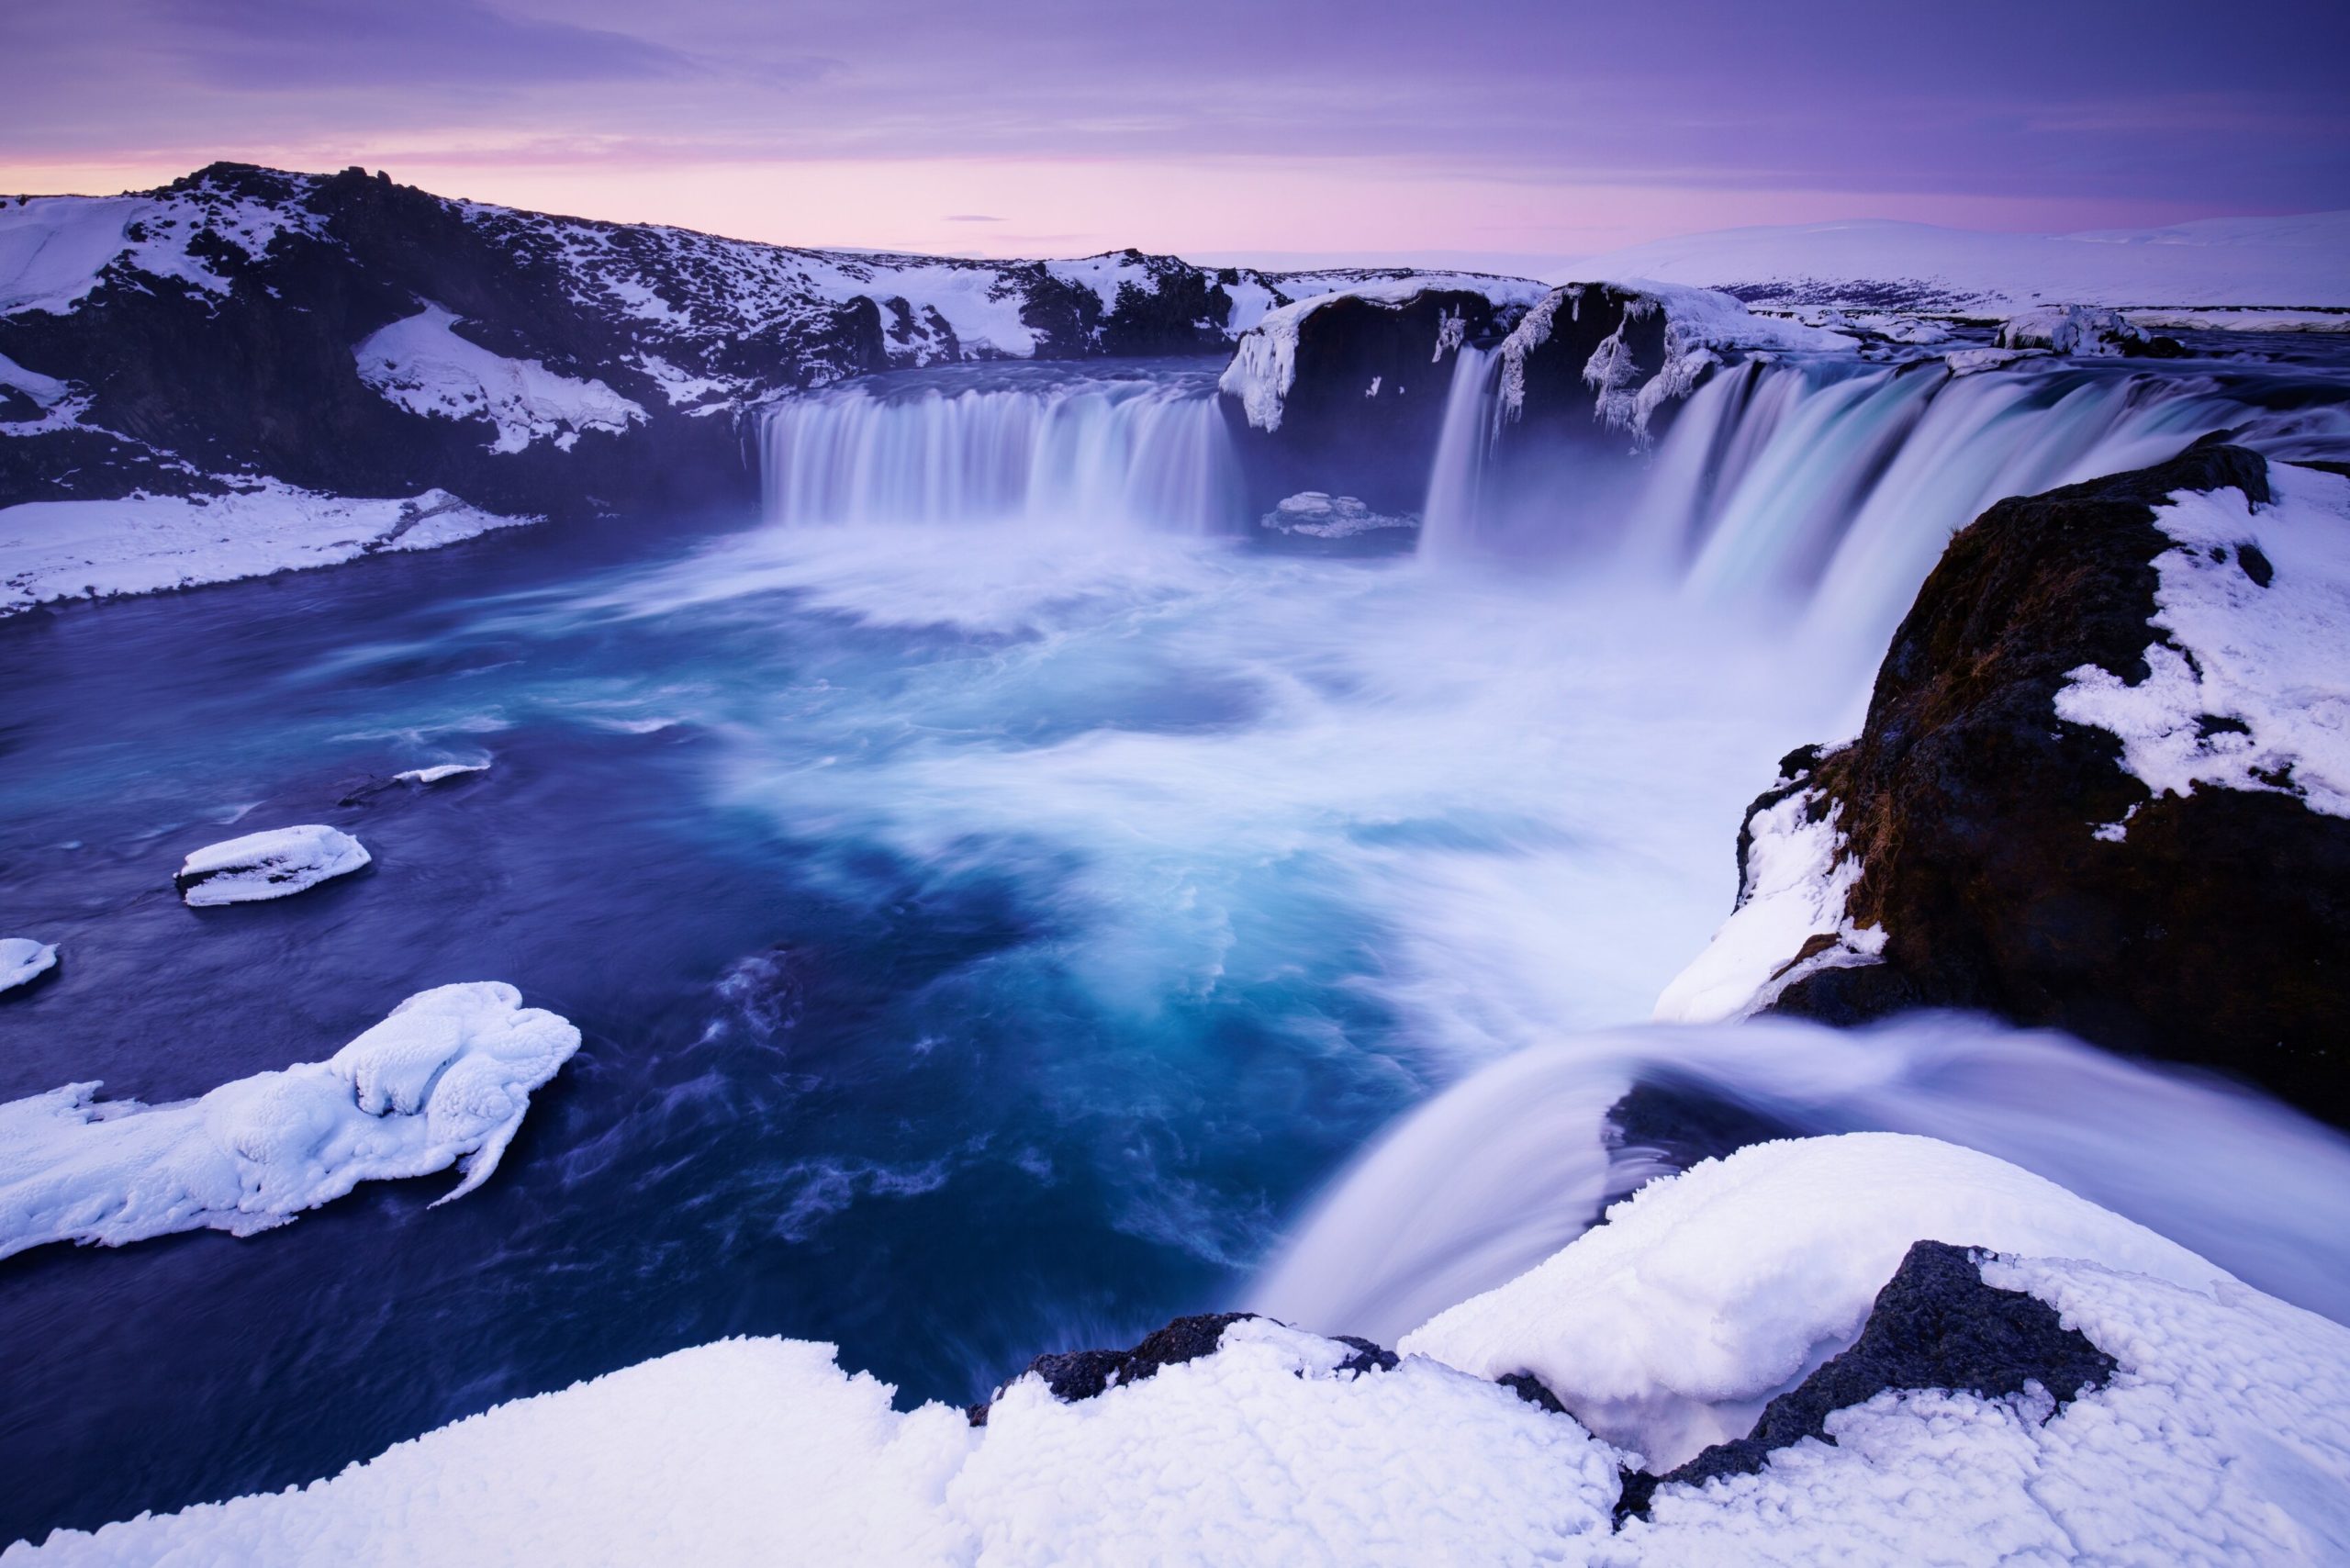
(443, 1081)
(422, 365)
(1668, 1328)
(2249, 685)
(56, 550)
(763, 1453)
(23, 959)
(1797, 879)
(2224, 1438)
(2071, 329)
(271, 864)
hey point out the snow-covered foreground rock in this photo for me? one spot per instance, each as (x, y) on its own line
(23, 960)
(144, 543)
(273, 864)
(1668, 1329)
(444, 1080)
(2219, 1434)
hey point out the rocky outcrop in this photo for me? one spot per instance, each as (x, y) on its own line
(1346, 394)
(1936, 1325)
(1073, 1375)
(2100, 785)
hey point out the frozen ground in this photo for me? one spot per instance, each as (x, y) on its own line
(2222, 1437)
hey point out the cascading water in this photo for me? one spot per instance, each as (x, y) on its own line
(1826, 488)
(1146, 448)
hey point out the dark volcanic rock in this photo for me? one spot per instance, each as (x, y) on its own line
(1667, 1123)
(1367, 404)
(2217, 931)
(1083, 1374)
(1934, 1325)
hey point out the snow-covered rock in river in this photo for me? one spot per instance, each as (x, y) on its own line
(273, 864)
(2103, 785)
(2083, 330)
(2203, 1423)
(1316, 515)
(439, 772)
(443, 1081)
(24, 960)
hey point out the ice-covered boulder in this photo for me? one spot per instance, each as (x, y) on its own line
(445, 1079)
(2103, 785)
(439, 773)
(24, 960)
(2084, 330)
(1704, 1296)
(273, 864)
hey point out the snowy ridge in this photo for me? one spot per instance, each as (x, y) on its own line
(144, 543)
(2222, 1439)
(55, 249)
(2289, 262)
(2249, 682)
(445, 1079)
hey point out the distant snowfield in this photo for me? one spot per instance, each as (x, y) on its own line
(2224, 1438)
(58, 550)
(2291, 264)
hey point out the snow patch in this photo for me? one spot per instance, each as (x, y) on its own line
(443, 1081)
(1798, 879)
(762, 1451)
(274, 864)
(1668, 1328)
(23, 959)
(2249, 685)
(55, 249)
(142, 543)
(422, 366)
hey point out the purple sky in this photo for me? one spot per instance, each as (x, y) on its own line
(1496, 128)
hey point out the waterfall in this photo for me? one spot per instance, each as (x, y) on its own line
(1464, 442)
(1140, 450)
(1818, 489)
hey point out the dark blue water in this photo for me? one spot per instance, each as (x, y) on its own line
(984, 944)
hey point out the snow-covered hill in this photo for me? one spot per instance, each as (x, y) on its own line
(2277, 263)
(359, 342)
